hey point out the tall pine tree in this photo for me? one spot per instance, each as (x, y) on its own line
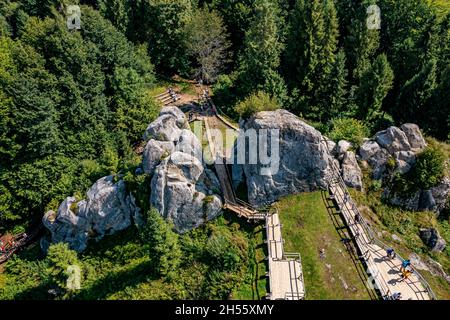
(260, 60)
(311, 55)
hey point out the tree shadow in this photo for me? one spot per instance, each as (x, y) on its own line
(117, 281)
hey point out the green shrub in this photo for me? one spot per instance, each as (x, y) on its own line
(429, 168)
(349, 129)
(256, 102)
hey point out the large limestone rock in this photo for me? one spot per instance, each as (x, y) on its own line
(415, 138)
(107, 209)
(441, 194)
(183, 192)
(303, 159)
(168, 126)
(400, 144)
(154, 152)
(342, 147)
(432, 239)
(404, 160)
(351, 173)
(393, 140)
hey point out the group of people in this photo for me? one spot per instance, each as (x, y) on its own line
(5, 245)
(8, 242)
(174, 96)
(405, 267)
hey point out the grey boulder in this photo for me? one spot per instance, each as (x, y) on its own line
(107, 209)
(432, 239)
(154, 152)
(184, 192)
(393, 140)
(350, 171)
(301, 163)
(415, 138)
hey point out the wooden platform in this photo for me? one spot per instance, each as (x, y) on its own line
(384, 272)
(285, 269)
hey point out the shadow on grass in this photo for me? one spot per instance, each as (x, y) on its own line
(343, 232)
(117, 281)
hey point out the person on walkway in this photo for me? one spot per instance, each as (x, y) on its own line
(405, 274)
(405, 264)
(357, 218)
(345, 197)
(397, 296)
(390, 253)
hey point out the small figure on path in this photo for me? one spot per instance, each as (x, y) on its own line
(357, 218)
(397, 296)
(405, 274)
(405, 264)
(390, 253)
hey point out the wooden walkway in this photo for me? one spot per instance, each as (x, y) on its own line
(384, 272)
(241, 208)
(285, 269)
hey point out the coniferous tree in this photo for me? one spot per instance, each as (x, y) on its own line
(311, 55)
(207, 42)
(374, 86)
(260, 60)
(338, 106)
(415, 95)
(164, 248)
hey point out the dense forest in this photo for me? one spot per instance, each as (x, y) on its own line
(75, 103)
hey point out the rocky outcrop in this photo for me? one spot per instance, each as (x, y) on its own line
(302, 161)
(350, 171)
(107, 209)
(182, 191)
(168, 126)
(154, 152)
(415, 138)
(342, 147)
(400, 145)
(432, 239)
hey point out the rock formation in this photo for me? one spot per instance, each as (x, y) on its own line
(303, 163)
(182, 189)
(401, 145)
(183, 192)
(107, 209)
(432, 239)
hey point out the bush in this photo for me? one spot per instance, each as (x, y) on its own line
(349, 129)
(256, 102)
(430, 167)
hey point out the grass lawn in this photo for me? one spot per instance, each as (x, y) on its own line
(255, 286)
(307, 229)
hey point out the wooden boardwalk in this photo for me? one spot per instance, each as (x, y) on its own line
(285, 269)
(383, 271)
(241, 208)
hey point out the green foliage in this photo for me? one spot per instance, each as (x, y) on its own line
(311, 59)
(72, 104)
(260, 57)
(349, 129)
(164, 248)
(429, 168)
(256, 102)
(206, 40)
(59, 258)
(375, 84)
